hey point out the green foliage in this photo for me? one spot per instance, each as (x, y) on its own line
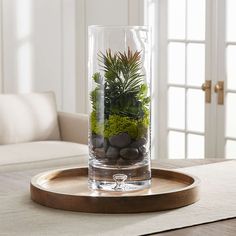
(122, 70)
(121, 96)
(119, 124)
(98, 78)
(125, 90)
(97, 95)
(97, 125)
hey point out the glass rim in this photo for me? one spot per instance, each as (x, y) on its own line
(140, 27)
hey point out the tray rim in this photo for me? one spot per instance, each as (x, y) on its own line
(34, 184)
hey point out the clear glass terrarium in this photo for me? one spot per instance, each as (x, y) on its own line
(119, 126)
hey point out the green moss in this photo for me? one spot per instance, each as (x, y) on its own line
(142, 129)
(97, 126)
(119, 124)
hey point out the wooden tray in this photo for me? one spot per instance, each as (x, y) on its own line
(67, 189)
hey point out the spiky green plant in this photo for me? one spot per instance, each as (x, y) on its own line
(122, 91)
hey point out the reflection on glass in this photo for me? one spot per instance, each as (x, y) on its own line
(176, 19)
(231, 68)
(176, 63)
(176, 108)
(176, 141)
(195, 64)
(231, 115)
(195, 110)
(195, 146)
(196, 19)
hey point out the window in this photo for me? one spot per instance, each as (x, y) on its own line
(196, 42)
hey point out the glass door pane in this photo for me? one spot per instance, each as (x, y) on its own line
(196, 110)
(176, 18)
(229, 144)
(185, 75)
(230, 20)
(196, 19)
(195, 64)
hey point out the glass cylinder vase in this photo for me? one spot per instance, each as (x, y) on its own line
(119, 91)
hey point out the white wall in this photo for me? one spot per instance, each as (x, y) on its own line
(102, 12)
(1, 62)
(38, 45)
(44, 44)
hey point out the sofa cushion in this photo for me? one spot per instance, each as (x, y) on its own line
(40, 151)
(28, 117)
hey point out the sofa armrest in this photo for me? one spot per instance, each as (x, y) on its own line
(73, 127)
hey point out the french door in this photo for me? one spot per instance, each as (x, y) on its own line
(197, 79)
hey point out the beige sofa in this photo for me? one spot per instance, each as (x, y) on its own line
(31, 130)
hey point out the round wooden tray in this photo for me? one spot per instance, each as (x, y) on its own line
(67, 189)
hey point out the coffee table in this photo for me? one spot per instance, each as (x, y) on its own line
(13, 181)
(223, 227)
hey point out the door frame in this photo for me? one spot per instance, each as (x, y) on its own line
(214, 71)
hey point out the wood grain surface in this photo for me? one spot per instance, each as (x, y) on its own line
(67, 189)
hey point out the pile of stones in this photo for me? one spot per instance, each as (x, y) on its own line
(119, 148)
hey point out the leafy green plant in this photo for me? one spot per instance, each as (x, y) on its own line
(97, 125)
(118, 124)
(121, 95)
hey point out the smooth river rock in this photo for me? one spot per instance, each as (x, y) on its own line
(105, 144)
(138, 143)
(112, 152)
(129, 153)
(120, 140)
(97, 141)
(142, 151)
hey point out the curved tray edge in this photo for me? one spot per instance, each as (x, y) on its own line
(123, 204)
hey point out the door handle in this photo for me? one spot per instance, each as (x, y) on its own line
(206, 87)
(219, 89)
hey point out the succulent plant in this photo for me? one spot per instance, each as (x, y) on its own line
(121, 95)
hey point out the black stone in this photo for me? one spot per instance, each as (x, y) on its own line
(143, 150)
(105, 144)
(97, 141)
(138, 143)
(120, 140)
(129, 153)
(112, 153)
